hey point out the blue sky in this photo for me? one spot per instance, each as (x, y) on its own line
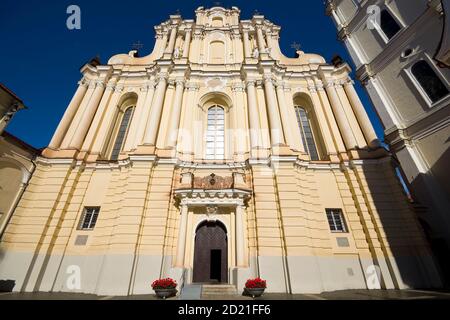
(40, 58)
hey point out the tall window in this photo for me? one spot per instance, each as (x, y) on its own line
(336, 220)
(429, 81)
(125, 123)
(389, 25)
(89, 218)
(306, 133)
(215, 147)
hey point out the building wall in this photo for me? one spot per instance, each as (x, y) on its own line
(271, 196)
(415, 127)
(16, 168)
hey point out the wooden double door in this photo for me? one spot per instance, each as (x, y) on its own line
(211, 253)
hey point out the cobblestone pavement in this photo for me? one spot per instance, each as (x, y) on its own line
(336, 295)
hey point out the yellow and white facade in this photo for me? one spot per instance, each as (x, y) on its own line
(216, 127)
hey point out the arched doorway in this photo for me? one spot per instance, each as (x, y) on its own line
(211, 253)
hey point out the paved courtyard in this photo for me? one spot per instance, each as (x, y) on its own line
(336, 295)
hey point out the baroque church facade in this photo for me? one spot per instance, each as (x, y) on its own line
(215, 159)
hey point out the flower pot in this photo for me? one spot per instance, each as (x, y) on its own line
(255, 292)
(165, 293)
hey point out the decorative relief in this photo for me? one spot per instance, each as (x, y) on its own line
(162, 76)
(216, 84)
(192, 86)
(83, 82)
(238, 87)
(119, 88)
(213, 182)
(268, 78)
(100, 83)
(312, 88)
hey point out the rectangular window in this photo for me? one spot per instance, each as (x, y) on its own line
(336, 220)
(389, 25)
(215, 141)
(430, 82)
(306, 133)
(89, 218)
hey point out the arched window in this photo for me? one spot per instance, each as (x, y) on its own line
(304, 124)
(217, 52)
(215, 135)
(122, 133)
(429, 81)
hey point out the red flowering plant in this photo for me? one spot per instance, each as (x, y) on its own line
(167, 283)
(255, 283)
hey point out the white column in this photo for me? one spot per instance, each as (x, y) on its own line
(361, 115)
(107, 122)
(155, 116)
(187, 138)
(66, 120)
(181, 246)
(174, 122)
(173, 37)
(163, 44)
(322, 121)
(96, 122)
(240, 240)
(276, 130)
(138, 139)
(87, 116)
(285, 116)
(255, 128)
(339, 113)
(247, 50)
(260, 39)
(239, 133)
(135, 120)
(78, 116)
(356, 129)
(295, 129)
(187, 43)
(336, 135)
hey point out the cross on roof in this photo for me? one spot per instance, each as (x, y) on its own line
(177, 12)
(295, 46)
(218, 4)
(256, 12)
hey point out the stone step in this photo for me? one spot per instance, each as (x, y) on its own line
(219, 289)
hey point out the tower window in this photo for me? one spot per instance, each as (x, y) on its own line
(121, 134)
(336, 220)
(306, 133)
(89, 218)
(215, 135)
(429, 81)
(389, 25)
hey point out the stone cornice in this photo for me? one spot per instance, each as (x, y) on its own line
(224, 197)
